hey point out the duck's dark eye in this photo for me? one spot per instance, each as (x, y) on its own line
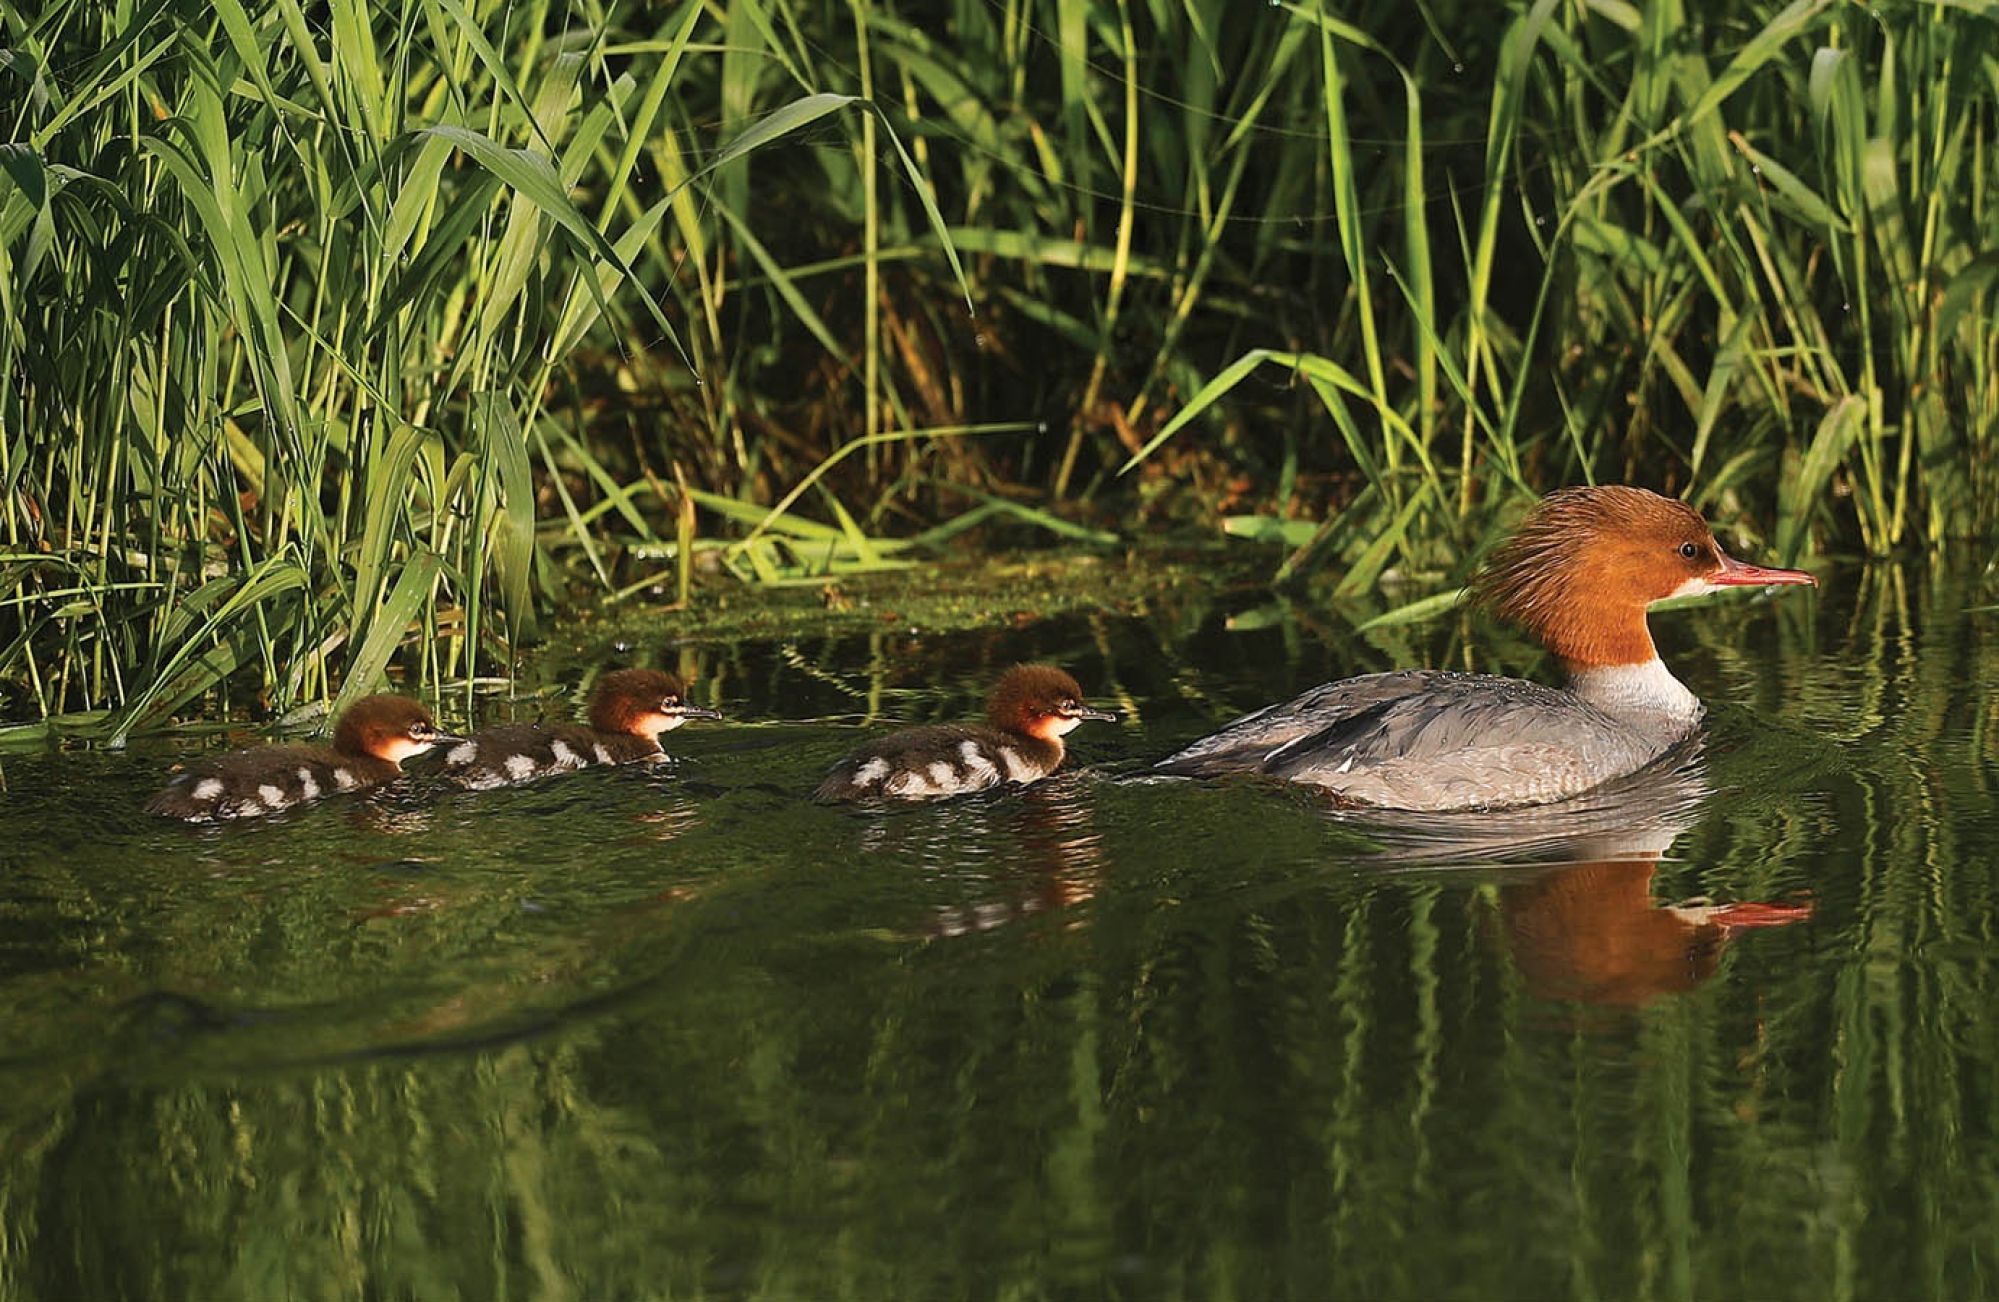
(418, 731)
(669, 703)
(1689, 550)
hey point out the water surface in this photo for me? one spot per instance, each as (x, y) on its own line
(682, 1033)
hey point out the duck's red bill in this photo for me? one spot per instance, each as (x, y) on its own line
(1736, 574)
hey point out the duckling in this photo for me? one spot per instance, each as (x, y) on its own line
(1028, 711)
(375, 736)
(629, 709)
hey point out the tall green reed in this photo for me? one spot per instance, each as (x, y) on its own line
(1747, 262)
(332, 340)
(293, 303)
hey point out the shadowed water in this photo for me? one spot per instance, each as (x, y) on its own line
(682, 1033)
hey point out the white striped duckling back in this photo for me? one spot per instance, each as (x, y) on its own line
(374, 737)
(629, 709)
(1028, 712)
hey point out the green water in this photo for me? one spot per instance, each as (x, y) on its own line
(682, 1034)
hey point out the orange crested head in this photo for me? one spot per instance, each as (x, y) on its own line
(391, 728)
(1039, 701)
(642, 703)
(1580, 570)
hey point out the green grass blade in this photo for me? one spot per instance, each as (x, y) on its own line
(387, 626)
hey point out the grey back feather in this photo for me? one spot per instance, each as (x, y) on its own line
(1429, 739)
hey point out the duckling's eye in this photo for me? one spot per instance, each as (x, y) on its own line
(419, 731)
(669, 703)
(1689, 551)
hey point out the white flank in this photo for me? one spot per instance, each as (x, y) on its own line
(308, 785)
(1017, 769)
(464, 754)
(344, 779)
(907, 783)
(979, 771)
(563, 755)
(208, 788)
(872, 771)
(273, 796)
(603, 755)
(519, 767)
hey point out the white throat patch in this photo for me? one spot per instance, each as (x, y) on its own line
(401, 748)
(654, 723)
(1693, 587)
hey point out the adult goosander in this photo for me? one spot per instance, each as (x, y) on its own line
(1028, 711)
(1578, 574)
(629, 709)
(375, 736)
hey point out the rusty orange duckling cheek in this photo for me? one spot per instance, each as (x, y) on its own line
(653, 723)
(1050, 727)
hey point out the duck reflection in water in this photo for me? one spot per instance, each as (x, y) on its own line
(1058, 863)
(1590, 932)
(1585, 928)
(1001, 857)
